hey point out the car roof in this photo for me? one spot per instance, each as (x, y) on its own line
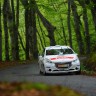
(56, 47)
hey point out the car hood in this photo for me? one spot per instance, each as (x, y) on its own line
(62, 58)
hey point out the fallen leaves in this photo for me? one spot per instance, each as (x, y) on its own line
(31, 89)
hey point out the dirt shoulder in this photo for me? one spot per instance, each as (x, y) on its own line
(34, 89)
(6, 64)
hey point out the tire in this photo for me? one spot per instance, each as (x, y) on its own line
(78, 72)
(40, 72)
(44, 71)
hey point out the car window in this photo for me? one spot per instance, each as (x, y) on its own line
(67, 51)
(59, 51)
(52, 52)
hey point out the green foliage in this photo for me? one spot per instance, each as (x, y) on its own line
(90, 5)
(39, 86)
(56, 12)
(90, 62)
(34, 89)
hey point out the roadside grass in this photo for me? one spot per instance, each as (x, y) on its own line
(86, 71)
(34, 89)
(88, 64)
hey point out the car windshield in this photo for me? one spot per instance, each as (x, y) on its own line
(59, 51)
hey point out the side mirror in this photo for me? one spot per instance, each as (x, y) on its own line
(40, 56)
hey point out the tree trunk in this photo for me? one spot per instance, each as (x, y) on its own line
(94, 17)
(14, 35)
(12, 32)
(0, 35)
(5, 14)
(92, 8)
(17, 32)
(86, 26)
(69, 25)
(27, 32)
(33, 31)
(26, 4)
(77, 27)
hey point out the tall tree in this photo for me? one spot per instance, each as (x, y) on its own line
(26, 6)
(68, 22)
(30, 28)
(5, 24)
(31, 9)
(33, 31)
(14, 32)
(93, 11)
(17, 32)
(77, 27)
(92, 4)
(0, 34)
(86, 26)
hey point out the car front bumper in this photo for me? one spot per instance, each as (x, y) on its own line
(54, 69)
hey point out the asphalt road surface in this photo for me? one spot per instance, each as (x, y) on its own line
(83, 84)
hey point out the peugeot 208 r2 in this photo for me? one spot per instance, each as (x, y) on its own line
(59, 59)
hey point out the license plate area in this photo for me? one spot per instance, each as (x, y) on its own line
(63, 65)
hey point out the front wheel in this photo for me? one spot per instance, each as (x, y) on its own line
(43, 70)
(78, 72)
(40, 72)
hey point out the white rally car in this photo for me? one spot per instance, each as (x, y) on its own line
(59, 59)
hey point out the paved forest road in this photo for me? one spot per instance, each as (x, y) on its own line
(83, 84)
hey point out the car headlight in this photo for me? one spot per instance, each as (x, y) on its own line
(48, 61)
(74, 61)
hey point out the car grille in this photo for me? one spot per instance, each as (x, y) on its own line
(63, 64)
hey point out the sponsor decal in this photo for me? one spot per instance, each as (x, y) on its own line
(53, 58)
(62, 57)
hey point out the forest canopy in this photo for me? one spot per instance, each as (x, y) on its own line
(27, 26)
